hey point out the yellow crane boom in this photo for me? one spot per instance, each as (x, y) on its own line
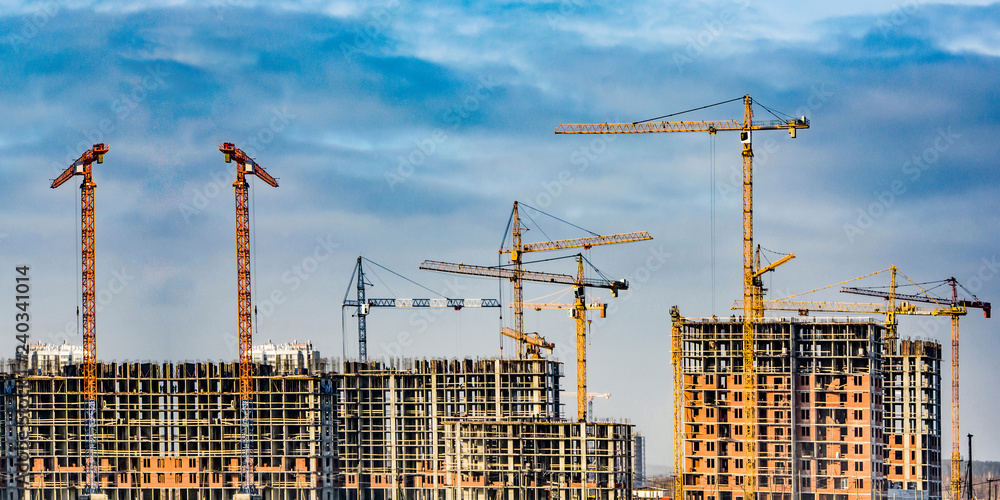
(580, 309)
(532, 339)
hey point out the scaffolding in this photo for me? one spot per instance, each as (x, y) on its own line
(166, 431)
(538, 460)
(327, 429)
(391, 441)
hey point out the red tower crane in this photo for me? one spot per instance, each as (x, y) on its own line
(83, 167)
(245, 165)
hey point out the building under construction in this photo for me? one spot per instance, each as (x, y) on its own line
(913, 419)
(840, 415)
(819, 409)
(429, 429)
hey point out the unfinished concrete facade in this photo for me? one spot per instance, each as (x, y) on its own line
(429, 429)
(913, 418)
(166, 431)
(437, 429)
(819, 409)
(536, 460)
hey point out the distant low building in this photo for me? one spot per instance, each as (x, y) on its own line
(52, 358)
(655, 493)
(292, 358)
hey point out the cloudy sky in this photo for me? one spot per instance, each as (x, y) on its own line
(404, 131)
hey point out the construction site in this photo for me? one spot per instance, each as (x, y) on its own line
(784, 407)
(423, 429)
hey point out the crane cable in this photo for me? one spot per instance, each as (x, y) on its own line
(712, 187)
(556, 218)
(399, 275)
(837, 284)
(740, 98)
(253, 252)
(78, 246)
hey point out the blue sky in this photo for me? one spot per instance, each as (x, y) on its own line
(403, 131)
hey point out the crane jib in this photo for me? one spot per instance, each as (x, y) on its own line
(694, 126)
(442, 302)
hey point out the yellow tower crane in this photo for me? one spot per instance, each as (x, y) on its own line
(954, 308)
(578, 310)
(746, 129)
(518, 249)
(533, 340)
(579, 282)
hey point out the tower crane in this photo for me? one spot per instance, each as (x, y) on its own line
(518, 249)
(746, 129)
(83, 166)
(244, 166)
(579, 282)
(956, 308)
(590, 403)
(364, 305)
(578, 310)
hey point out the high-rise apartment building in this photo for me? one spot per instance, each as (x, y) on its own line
(819, 411)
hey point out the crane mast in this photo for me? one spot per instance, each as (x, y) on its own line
(245, 165)
(580, 313)
(515, 257)
(579, 308)
(746, 128)
(590, 403)
(83, 166)
(362, 313)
